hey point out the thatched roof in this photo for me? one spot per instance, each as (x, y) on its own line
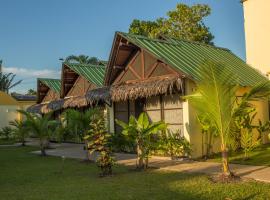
(56, 105)
(98, 95)
(37, 108)
(120, 92)
(91, 98)
(144, 89)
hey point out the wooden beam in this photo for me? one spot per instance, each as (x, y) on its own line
(142, 64)
(134, 72)
(154, 66)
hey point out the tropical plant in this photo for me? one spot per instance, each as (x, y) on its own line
(20, 130)
(175, 145)
(79, 122)
(263, 128)
(6, 133)
(208, 134)
(6, 81)
(141, 130)
(184, 22)
(122, 143)
(248, 142)
(41, 127)
(98, 141)
(82, 59)
(216, 98)
(1, 62)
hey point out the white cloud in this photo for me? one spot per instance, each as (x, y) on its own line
(32, 73)
(29, 76)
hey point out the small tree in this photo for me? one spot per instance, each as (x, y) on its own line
(41, 127)
(216, 98)
(98, 141)
(20, 130)
(141, 131)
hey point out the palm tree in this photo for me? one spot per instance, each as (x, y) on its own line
(41, 126)
(6, 81)
(82, 59)
(31, 92)
(141, 131)
(1, 62)
(20, 131)
(216, 99)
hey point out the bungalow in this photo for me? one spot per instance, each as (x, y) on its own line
(151, 75)
(71, 91)
(48, 90)
(78, 80)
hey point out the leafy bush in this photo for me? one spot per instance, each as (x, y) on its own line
(98, 141)
(248, 142)
(6, 133)
(122, 143)
(175, 145)
(143, 132)
(20, 130)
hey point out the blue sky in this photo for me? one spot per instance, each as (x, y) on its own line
(36, 33)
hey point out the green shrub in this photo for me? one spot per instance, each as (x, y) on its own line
(122, 143)
(6, 133)
(175, 145)
(143, 131)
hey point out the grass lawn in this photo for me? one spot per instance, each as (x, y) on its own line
(6, 142)
(27, 176)
(259, 156)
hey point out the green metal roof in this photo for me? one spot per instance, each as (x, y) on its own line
(93, 73)
(188, 56)
(54, 84)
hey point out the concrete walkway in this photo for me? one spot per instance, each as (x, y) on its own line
(259, 173)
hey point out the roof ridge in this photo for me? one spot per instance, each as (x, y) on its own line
(171, 42)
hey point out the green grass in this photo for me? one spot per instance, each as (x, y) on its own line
(25, 176)
(259, 156)
(7, 141)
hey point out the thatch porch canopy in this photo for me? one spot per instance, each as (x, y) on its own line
(145, 89)
(38, 108)
(91, 98)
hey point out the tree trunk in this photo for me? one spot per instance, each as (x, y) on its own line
(140, 164)
(43, 151)
(225, 163)
(87, 151)
(43, 147)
